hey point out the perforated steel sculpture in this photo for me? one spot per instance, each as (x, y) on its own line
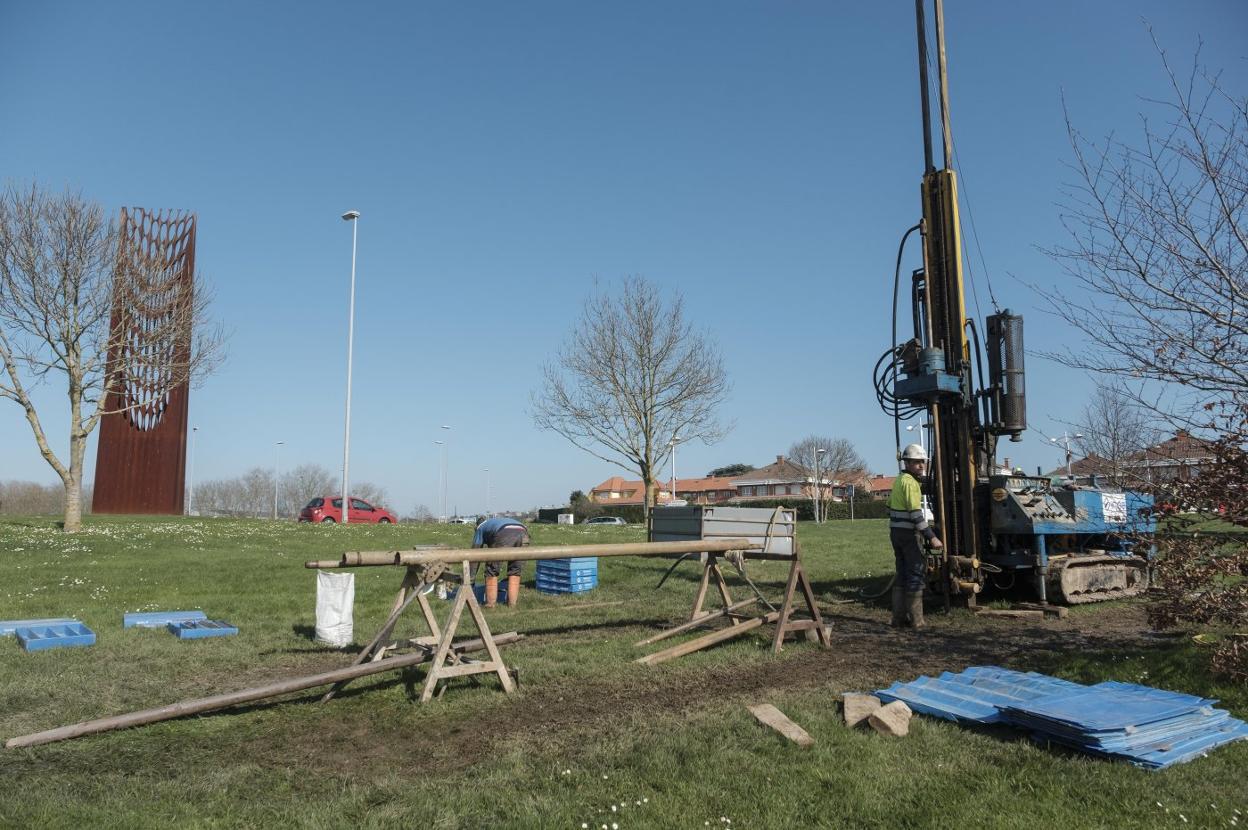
(140, 464)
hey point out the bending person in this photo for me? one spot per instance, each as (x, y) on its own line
(501, 532)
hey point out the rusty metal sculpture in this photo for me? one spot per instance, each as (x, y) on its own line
(141, 459)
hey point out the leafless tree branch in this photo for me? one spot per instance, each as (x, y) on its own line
(632, 375)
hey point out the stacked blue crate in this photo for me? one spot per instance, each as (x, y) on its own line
(567, 576)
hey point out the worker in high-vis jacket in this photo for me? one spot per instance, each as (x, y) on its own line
(501, 532)
(908, 530)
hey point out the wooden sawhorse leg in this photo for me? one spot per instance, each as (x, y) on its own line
(440, 670)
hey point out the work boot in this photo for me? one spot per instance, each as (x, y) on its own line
(491, 591)
(513, 590)
(899, 608)
(914, 602)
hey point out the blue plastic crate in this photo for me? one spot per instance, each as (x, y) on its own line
(560, 586)
(40, 637)
(569, 576)
(199, 629)
(572, 563)
(569, 579)
(159, 619)
(564, 571)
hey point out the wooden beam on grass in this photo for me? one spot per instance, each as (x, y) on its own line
(702, 620)
(208, 704)
(707, 640)
(769, 715)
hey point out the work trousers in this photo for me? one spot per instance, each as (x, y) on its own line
(909, 558)
(508, 537)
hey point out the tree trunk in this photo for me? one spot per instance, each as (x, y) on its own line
(73, 486)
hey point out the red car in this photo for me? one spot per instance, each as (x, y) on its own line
(329, 509)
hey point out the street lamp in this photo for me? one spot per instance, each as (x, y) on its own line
(190, 498)
(440, 495)
(277, 466)
(487, 491)
(446, 470)
(922, 428)
(1066, 444)
(351, 216)
(676, 439)
(818, 485)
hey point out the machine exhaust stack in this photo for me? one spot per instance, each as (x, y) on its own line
(1005, 375)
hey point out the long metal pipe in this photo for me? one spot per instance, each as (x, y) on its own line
(357, 559)
(943, 70)
(923, 97)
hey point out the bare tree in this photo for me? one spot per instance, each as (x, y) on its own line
(303, 483)
(633, 375)
(419, 513)
(59, 268)
(1113, 428)
(1159, 246)
(27, 498)
(374, 494)
(838, 463)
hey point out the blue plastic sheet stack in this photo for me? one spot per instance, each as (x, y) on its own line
(1152, 728)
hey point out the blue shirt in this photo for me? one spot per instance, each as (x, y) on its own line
(491, 526)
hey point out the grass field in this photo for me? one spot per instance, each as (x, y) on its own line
(588, 730)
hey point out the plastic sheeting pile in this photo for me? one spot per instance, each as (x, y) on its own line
(1151, 728)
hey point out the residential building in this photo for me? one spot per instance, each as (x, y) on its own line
(1177, 458)
(779, 480)
(618, 490)
(880, 485)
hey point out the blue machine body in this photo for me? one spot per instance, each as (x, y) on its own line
(1036, 520)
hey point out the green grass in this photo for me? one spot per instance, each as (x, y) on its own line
(588, 729)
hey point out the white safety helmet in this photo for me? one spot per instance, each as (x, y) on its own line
(914, 452)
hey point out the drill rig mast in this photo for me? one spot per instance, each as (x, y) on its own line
(990, 523)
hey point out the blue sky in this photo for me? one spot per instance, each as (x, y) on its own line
(761, 158)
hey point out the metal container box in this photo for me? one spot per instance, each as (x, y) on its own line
(693, 522)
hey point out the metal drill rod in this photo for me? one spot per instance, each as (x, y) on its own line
(356, 559)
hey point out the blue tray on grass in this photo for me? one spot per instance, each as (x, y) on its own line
(159, 619)
(41, 637)
(199, 629)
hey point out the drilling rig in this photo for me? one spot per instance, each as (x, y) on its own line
(1075, 543)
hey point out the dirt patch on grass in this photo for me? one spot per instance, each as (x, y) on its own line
(866, 654)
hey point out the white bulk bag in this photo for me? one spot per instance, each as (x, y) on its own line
(335, 608)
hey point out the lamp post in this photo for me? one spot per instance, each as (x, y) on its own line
(277, 466)
(1066, 444)
(818, 486)
(487, 492)
(676, 439)
(351, 216)
(440, 495)
(190, 498)
(922, 428)
(446, 470)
